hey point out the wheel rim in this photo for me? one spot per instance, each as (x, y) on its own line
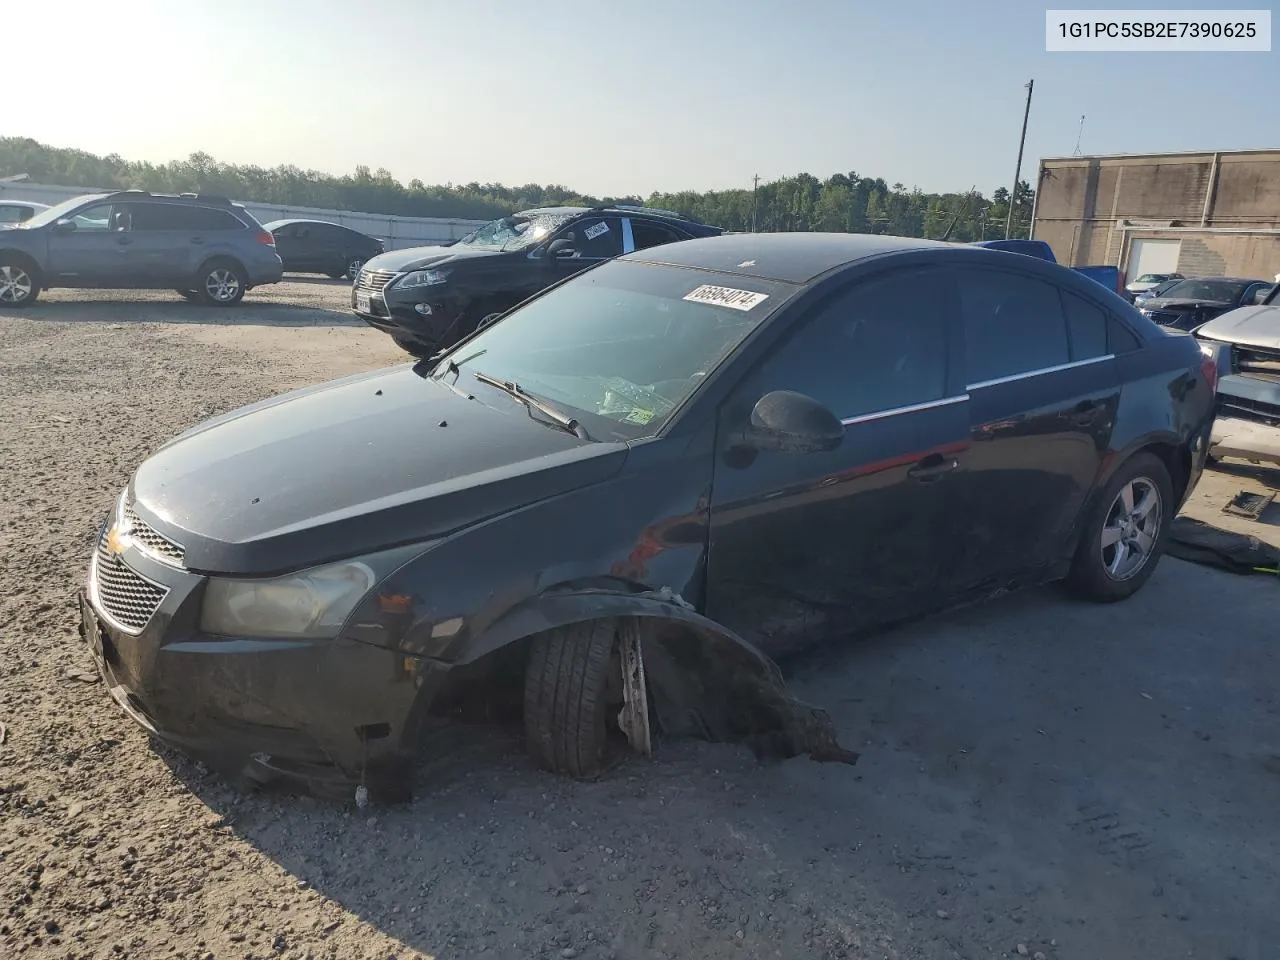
(15, 284)
(222, 284)
(1131, 529)
(353, 269)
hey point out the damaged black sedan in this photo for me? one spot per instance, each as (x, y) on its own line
(623, 500)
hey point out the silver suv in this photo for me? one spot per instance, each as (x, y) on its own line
(208, 249)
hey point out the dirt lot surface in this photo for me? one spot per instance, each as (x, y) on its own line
(1039, 777)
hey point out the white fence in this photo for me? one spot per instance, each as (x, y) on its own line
(395, 232)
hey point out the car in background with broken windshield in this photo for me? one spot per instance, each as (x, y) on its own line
(428, 298)
(607, 514)
(1189, 303)
(1245, 345)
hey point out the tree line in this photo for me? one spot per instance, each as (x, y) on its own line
(842, 202)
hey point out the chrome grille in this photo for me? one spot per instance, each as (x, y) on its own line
(126, 597)
(374, 280)
(149, 540)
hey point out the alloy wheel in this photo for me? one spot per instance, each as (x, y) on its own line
(15, 284)
(222, 284)
(353, 269)
(1131, 529)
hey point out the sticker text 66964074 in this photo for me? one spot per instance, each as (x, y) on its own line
(726, 297)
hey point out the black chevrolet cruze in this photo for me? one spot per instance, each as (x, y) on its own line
(616, 505)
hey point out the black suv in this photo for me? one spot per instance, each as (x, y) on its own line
(428, 298)
(206, 248)
(317, 246)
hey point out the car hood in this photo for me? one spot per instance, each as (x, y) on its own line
(1180, 303)
(419, 258)
(353, 466)
(1255, 326)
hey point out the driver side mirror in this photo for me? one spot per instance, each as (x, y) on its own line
(65, 226)
(788, 422)
(561, 249)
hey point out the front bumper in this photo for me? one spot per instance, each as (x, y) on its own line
(392, 311)
(1245, 439)
(323, 713)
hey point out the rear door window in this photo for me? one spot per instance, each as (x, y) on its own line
(1014, 324)
(646, 234)
(1086, 327)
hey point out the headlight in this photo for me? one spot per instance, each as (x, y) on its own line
(313, 603)
(423, 278)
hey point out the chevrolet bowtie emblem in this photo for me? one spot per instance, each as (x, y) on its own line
(116, 540)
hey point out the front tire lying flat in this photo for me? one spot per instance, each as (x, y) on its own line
(1125, 533)
(566, 702)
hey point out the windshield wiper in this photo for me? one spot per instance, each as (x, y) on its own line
(565, 422)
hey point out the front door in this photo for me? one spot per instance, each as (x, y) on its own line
(804, 545)
(592, 239)
(95, 252)
(1043, 395)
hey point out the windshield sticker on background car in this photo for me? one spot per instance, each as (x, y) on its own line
(596, 230)
(726, 297)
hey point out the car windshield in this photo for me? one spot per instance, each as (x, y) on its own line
(514, 232)
(1225, 291)
(621, 346)
(57, 212)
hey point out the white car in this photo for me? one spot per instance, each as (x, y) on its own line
(1147, 281)
(18, 211)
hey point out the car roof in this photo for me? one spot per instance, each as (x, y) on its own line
(1230, 279)
(790, 257)
(293, 220)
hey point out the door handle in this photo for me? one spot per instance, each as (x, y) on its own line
(1085, 412)
(124, 241)
(932, 467)
(197, 239)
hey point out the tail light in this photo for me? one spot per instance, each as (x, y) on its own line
(1209, 369)
(266, 239)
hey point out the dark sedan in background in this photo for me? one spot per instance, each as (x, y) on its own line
(699, 456)
(316, 246)
(1189, 303)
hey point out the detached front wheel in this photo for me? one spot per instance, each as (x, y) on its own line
(1126, 532)
(568, 695)
(222, 283)
(18, 284)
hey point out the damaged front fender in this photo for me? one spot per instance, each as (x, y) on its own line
(704, 680)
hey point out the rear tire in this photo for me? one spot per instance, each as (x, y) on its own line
(19, 283)
(353, 268)
(1125, 533)
(565, 697)
(222, 283)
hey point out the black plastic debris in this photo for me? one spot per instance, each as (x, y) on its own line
(1249, 505)
(1199, 542)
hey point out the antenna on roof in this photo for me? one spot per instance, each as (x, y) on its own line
(1079, 137)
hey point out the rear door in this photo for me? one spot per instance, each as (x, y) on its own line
(166, 242)
(1043, 392)
(814, 544)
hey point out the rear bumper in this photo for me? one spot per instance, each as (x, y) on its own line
(1245, 439)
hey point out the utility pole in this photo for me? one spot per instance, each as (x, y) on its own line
(755, 190)
(1079, 137)
(1017, 174)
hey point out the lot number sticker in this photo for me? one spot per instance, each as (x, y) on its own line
(726, 297)
(596, 230)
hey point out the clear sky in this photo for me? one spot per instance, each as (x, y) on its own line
(611, 97)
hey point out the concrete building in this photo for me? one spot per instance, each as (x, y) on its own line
(1198, 214)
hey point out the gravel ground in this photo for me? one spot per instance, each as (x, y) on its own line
(1039, 777)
